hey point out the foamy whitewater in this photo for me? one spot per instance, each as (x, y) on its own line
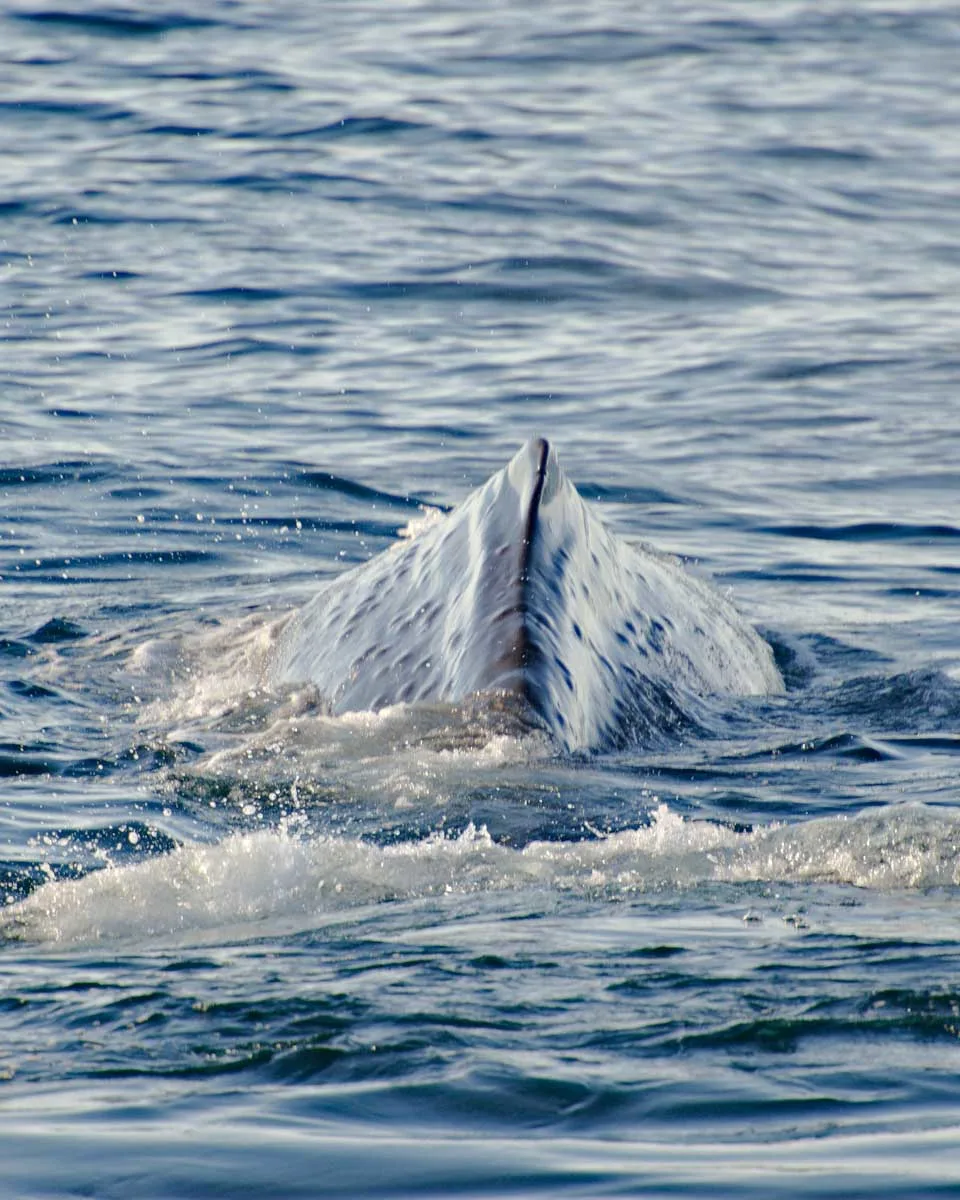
(259, 877)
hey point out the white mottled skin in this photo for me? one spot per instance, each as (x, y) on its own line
(606, 642)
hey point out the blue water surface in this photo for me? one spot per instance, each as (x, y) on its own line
(276, 279)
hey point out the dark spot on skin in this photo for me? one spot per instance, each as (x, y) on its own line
(564, 671)
(621, 639)
(630, 625)
(578, 631)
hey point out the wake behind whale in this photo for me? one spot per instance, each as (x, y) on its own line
(521, 596)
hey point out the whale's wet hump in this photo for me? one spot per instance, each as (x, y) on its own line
(522, 592)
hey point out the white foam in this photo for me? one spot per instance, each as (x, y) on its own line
(207, 676)
(250, 878)
(417, 525)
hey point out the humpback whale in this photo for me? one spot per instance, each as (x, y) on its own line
(522, 593)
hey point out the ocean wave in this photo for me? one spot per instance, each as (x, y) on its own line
(280, 874)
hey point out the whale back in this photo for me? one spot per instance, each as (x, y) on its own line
(522, 591)
(622, 641)
(436, 617)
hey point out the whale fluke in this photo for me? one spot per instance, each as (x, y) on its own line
(521, 590)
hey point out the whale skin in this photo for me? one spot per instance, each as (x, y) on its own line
(523, 593)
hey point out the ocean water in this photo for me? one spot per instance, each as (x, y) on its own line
(277, 281)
